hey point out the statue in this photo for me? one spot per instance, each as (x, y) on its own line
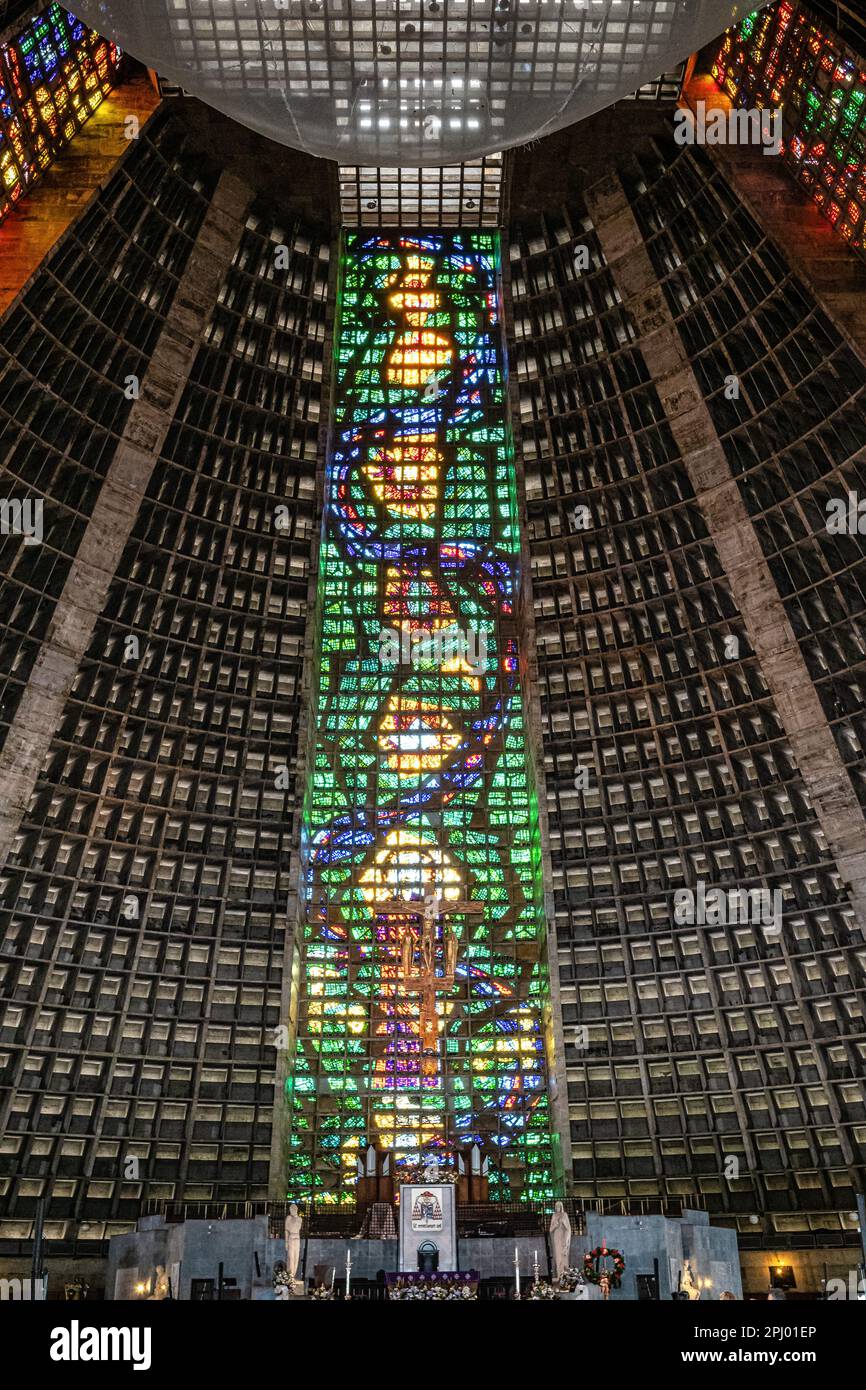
(604, 1285)
(428, 943)
(560, 1240)
(451, 948)
(407, 951)
(687, 1282)
(431, 1171)
(293, 1241)
(160, 1284)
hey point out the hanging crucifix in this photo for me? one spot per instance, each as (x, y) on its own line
(418, 960)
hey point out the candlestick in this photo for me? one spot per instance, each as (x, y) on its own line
(516, 1272)
(348, 1270)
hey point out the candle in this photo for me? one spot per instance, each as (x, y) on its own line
(348, 1270)
(516, 1272)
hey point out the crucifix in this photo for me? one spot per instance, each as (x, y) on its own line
(417, 973)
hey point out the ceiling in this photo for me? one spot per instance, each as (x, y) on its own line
(409, 82)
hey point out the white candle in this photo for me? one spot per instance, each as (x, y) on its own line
(516, 1272)
(348, 1270)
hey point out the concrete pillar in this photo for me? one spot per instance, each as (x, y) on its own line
(108, 530)
(554, 1034)
(753, 589)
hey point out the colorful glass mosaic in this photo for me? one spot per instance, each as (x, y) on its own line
(423, 1008)
(53, 76)
(784, 57)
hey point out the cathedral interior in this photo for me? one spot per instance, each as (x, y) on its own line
(433, 603)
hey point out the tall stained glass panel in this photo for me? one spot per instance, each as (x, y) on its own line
(424, 997)
(53, 76)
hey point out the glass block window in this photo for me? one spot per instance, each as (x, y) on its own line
(53, 76)
(785, 56)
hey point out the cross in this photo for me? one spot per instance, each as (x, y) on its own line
(421, 978)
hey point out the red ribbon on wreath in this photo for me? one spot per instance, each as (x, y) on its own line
(593, 1273)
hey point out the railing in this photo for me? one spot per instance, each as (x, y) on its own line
(474, 1219)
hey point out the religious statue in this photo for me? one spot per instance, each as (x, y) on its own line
(417, 956)
(451, 948)
(604, 1285)
(428, 940)
(293, 1241)
(560, 1239)
(687, 1282)
(406, 953)
(431, 1171)
(160, 1284)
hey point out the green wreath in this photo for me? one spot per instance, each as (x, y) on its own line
(591, 1271)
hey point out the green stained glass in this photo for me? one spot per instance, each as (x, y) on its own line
(424, 985)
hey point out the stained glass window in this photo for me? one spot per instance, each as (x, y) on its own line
(53, 76)
(421, 1025)
(783, 57)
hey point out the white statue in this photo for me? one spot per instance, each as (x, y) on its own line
(431, 1172)
(687, 1282)
(293, 1241)
(560, 1239)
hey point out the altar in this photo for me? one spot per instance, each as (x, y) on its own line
(428, 1227)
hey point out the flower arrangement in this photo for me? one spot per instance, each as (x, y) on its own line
(439, 1292)
(570, 1278)
(542, 1292)
(323, 1293)
(592, 1268)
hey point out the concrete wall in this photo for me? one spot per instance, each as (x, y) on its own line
(61, 1270)
(711, 1250)
(194, 1250)
(493, 1258)
(810, 1267)
(368, 1257)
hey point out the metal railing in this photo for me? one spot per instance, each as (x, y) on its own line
(475, 1219)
